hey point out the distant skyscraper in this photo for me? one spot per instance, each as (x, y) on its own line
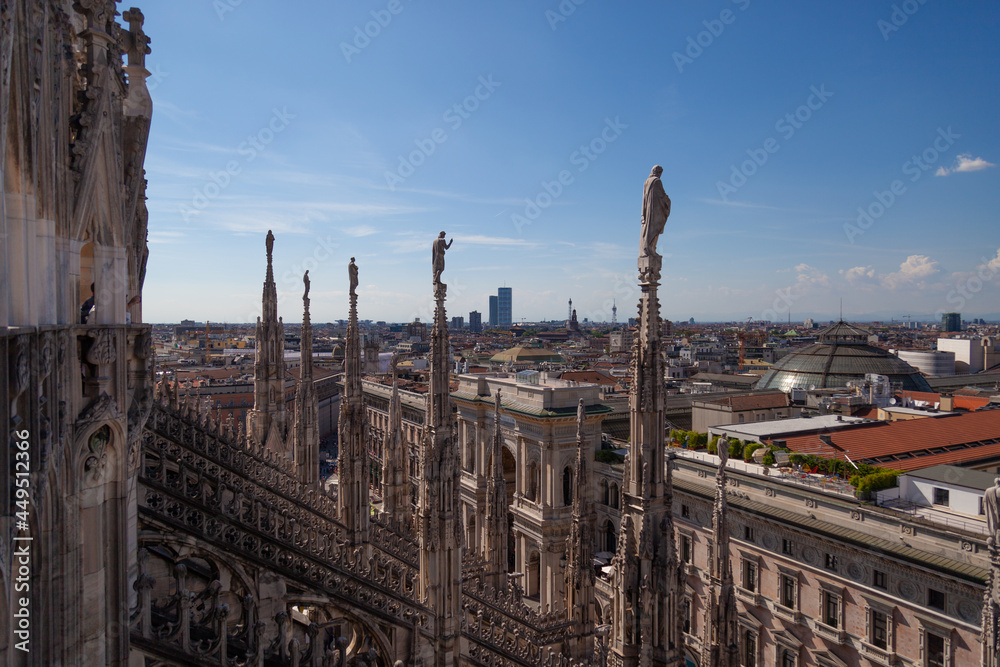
(494, 312)
(951, 322)
(504, 306)
(475, 321)
(458, 322)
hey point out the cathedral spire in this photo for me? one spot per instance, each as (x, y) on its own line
(395, 462)
(648, 586)
(580, 548)
(352, 459)
(440, 530)
(495, 544)
(720, 610)
(306, 434)
(267, 422)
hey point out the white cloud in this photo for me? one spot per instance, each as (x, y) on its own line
(807, 276)
(478, 239)
(964, 163)
(912, 272)
(858, 274)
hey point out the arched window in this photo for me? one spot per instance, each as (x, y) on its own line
(567, 486)
(610, 538)
(605, 492)
(614, 496)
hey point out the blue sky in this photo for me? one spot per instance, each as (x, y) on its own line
(777, 124)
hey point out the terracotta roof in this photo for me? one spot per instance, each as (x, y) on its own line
(913, 444)
(754, 401)
(970, 403)
(587, 376)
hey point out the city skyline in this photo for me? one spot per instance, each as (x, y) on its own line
(811, 153)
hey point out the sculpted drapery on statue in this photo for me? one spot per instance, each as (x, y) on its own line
(352, 273)
(440, 245)
(655, 211)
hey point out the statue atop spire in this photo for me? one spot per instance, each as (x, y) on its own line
(352, 456)
(439, 525)
(648, 579)
(306, 426)
(267, 422)
(655, 211)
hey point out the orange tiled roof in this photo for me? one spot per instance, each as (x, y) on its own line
(911, 444)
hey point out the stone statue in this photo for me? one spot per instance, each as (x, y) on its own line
(352, 272)
(655, 211)
(305, 281)
(438, 254)
(270, 244)
(991, 505)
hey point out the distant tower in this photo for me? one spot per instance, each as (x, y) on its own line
(569, 313)
(614, 313)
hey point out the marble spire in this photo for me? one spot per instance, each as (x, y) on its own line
(580, 548)
(306, 427)
(495, 543)
(267, 422)
(352, 455)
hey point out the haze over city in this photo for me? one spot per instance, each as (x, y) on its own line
(813, 152)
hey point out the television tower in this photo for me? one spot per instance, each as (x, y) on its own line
(614, 313)
(569, 314)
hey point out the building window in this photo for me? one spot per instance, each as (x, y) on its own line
(567, 486)
(610, 540)
(879, 631)
(941, 497)
(749, 648)
(787, 658)
(878, 579)
(787, 592)
(686, 548)
(786, 547)
(614, 496)
(685, 511)
(607, 491)
(686, 611)
(750, 575)
(748, 533)
(935, 650)
(935, 599)
(831, 562)
(831, 609)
